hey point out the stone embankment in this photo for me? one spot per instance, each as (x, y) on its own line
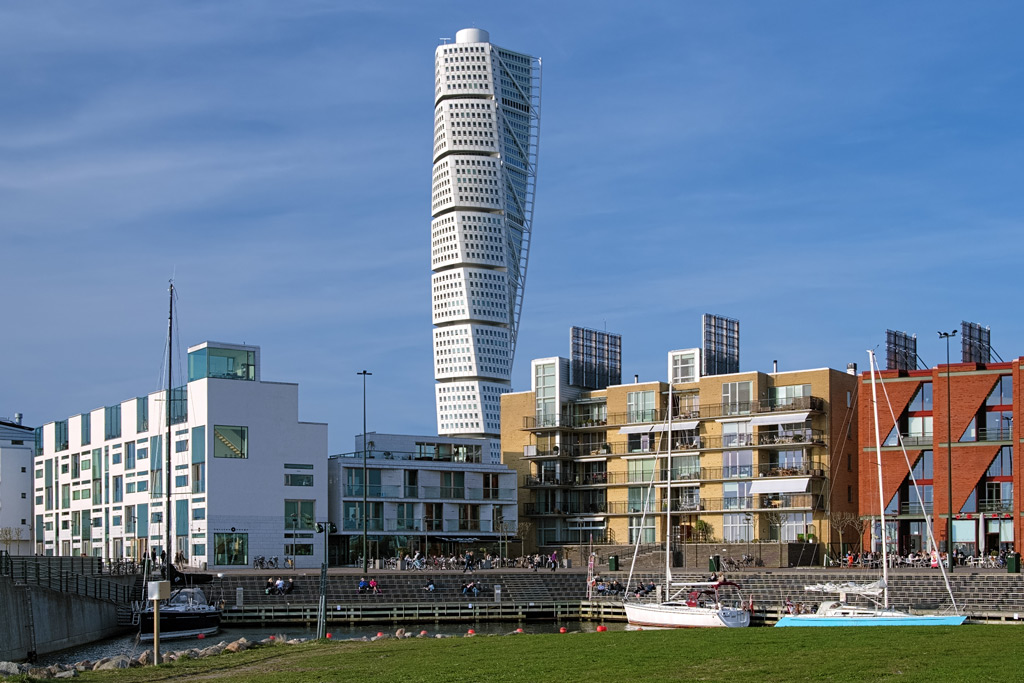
(145, 658)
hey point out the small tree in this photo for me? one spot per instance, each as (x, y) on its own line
(19, 535)
(7, 537)
(703, 532)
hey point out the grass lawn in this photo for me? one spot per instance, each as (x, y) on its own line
(965, 653)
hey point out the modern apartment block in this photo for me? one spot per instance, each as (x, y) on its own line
(754, 456)
(486, 127)
(16, 447)
(438, 495)
(976, 433)
(247, 477)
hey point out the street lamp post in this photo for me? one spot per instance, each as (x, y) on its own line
(364, 373)
(949, 457)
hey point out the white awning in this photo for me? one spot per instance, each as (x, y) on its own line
(745, 418)
(592, 459)
(637, 429)
(781, 419)
(680, 425)
(780, 485)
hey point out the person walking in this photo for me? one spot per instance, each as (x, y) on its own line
(554, 560)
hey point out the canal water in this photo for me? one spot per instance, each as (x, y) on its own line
(128, 645)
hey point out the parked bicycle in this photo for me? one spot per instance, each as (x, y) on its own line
(261, 562)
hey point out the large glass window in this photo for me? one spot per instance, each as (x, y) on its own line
(230, 442)
(300, 515)
(789, 396)
(60, 435)
(298, 479)
(545, 389)
(684, 366)
(922, 401)
(1002, 393)
(736, 398)
(736, 434)
(737, 527)
(112, 422)
(142, 414)
(640, 406)
(222, 364)
(641, 527)
(86, 429)
(640, 471)
(231, 549)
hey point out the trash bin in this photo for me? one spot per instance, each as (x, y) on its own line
(715, 563)
(1013, 563)
(497, 592)
(613, 563)
(567, 563)
(239, 599)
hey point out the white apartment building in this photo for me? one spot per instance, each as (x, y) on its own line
(486, 127)
(437, 495)
(16, 447)
(247, 478)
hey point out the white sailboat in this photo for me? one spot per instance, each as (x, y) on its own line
(840, 612)
(704, 604)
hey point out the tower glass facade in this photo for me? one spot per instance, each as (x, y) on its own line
(486, 127)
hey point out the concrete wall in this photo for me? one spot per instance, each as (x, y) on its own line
(60, 620)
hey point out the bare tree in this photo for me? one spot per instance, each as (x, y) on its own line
(7, 537)
(19, 535)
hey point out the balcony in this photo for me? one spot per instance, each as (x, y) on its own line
(403, 525)
(443, 492)
(426, 455)
(915, 508)
(789, 501)
(909, 440)
(375, 524)
(996, 505)
(995, 434)
(372, 491)
(536, 509)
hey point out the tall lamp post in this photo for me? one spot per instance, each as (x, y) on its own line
(949, 457)
(364, 373)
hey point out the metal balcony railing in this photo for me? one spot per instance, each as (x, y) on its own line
(995, 434)
(375, 524)
(702, 412)
(915, 508)
(995, 505)
(595, 508)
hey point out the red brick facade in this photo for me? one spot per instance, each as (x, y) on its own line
(970, 386)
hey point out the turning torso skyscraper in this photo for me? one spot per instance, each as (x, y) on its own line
(486, 126)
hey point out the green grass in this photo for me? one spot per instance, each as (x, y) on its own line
(967, 653)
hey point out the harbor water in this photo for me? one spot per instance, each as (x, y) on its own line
(130, 646)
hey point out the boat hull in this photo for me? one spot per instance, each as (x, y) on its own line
(812, 620)
(682, 616)
(177, 625)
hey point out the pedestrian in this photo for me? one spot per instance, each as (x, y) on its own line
(554, 560)
(468, 567)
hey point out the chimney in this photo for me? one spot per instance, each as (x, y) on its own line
(636, 379)
(17, 418)
(851, 368)
(775, 366)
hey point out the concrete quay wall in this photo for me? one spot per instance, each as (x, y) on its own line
(40, 620)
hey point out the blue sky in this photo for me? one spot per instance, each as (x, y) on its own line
(821, 171)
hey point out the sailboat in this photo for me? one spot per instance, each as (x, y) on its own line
(187, 613)
(840, 612)
(701, 604)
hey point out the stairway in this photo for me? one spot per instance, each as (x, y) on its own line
(527, 588)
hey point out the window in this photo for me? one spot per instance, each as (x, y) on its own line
(1002, 393)
(640, 471)
(922, 401)
(300, 514)
(737, 527)
(60, 435)
(142, 414)
(86, 429)
(736, 398)
(129, 456)
(298, 479)
(736, 434)
(640, 406)
(230, 442)
(790, 396)
(684, 366)
(490, 486)
(180, 480)
(198, 549)
(231, 549)
(118, 489)
(546, 400)
(198, 513)
(112, 422)
(181, 446)
(644, 533)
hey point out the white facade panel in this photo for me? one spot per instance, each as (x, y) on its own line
(486, 123)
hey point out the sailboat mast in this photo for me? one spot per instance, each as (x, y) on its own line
(881, 496)
(169, 529)
(668, 500)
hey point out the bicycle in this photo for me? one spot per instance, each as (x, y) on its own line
(272, 562)
(260, 562)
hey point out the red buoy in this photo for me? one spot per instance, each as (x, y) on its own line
(602, 628)
(273, 638)
(380, 634)
(328, 636)
(201, 636)
(519, 630)
(471, 632)
(423, 633)
(563, 630)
